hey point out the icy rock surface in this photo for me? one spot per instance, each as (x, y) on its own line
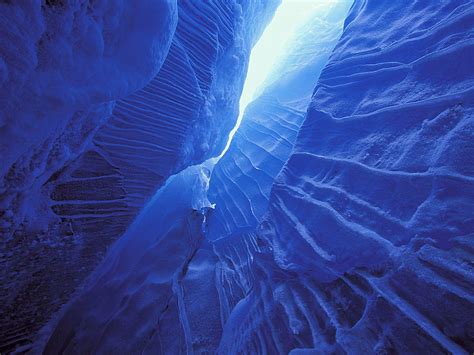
(242, 179)
(382, 158)
(90, 169)
(367, 246)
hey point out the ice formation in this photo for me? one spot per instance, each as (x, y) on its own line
(77, 167)
(339, 220)
(367, 244)
(243, 177)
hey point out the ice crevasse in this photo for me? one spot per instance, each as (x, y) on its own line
(339, 220)
(368, 239)
(101, 102)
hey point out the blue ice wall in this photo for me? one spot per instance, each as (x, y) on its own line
(242, 179)
(60, 59)
(366, 242)
(134, 302)
(367, 245)
(78, 166)
(383, 156)
(171, 256)
(361, 244)
(62, 65)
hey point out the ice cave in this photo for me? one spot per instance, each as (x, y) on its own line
(237, 177)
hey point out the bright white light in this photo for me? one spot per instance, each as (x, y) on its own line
(271, 48)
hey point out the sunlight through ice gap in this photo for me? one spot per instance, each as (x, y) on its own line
(271, 48)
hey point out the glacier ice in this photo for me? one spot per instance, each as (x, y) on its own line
(59, 59)
(367, 242)
(242, 178)
(339, 220)
(151, 259)
(62, 66)
(83, 179)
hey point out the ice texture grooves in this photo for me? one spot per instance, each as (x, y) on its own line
(368, 239)
(162, 281)
(342, 222)
(381, 162)
(242, 179)
(112, 157)
(62, 66)
(150, 299)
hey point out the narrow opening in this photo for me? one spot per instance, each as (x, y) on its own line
(271, 48)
